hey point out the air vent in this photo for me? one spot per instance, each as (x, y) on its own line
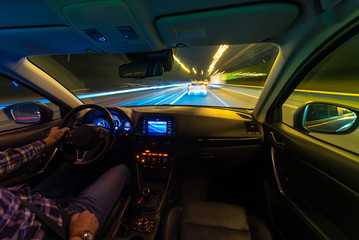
(252, 128)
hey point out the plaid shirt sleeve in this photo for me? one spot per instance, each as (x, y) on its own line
(13, 158)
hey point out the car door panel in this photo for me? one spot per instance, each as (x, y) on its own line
(317, 179)
(26, 134)
(22, 136)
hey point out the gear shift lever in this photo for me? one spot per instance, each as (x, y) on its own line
(146, 192)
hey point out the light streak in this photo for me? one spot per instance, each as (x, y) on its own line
(102, 94)
(44, 101)
(178, 98)
(250, 74)
(194, 70)
(163, 100)
(235, 75)
(216, 57)
(181, 64)
(142, 101)
(201, 72)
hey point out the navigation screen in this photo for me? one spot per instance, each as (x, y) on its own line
(157, 127)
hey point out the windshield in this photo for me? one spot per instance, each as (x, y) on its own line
(221, 76)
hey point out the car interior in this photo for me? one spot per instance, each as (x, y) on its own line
(281, 165)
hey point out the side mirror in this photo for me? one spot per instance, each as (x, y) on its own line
(141, 70)
(29, 112)
(326, 118)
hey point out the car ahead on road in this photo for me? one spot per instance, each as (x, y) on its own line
(197, 88)
(272, 152)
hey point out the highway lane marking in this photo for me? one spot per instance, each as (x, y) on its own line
(225, 104)
(173, 94)
(141, 99)
(249, 86)
(178, 98)
(149, 100)
(163, 100)
(138, 100)
(249, 95)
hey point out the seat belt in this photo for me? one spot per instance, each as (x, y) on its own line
(59, 231)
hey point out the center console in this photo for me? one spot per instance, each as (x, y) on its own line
(154, 156)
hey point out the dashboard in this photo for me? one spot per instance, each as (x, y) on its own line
(161, 135)
(178, 121)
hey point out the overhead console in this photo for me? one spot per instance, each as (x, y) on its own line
(111, 26)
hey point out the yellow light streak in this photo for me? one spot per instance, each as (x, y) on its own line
(194, 70)
(217, 56)
(181, 64)
(201, 72)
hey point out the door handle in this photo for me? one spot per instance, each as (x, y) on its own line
(276, 140)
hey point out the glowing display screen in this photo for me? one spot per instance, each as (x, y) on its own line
(157, 127)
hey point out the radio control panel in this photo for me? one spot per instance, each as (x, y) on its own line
(150, 159)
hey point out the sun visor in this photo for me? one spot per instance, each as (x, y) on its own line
(110, 25)
(43, 40)
(242, 24)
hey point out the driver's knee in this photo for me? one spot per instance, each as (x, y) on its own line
(120, 171)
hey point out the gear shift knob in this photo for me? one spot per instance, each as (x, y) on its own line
(146, 192)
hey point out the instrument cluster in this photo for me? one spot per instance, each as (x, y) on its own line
(122, 125)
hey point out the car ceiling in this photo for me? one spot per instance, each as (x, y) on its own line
(33, 27)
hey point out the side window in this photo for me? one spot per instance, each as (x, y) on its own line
(11, 93)
(334, 85)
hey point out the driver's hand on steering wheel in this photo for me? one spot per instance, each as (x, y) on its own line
(55, 135)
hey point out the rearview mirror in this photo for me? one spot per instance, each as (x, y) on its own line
(141, 70)
(28, 112)
(326, 118)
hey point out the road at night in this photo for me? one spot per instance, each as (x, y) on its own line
(227, 96)
(222, 97)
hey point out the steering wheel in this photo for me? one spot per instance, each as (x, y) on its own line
(86, 143)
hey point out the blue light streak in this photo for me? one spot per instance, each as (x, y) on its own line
(164, 100)
(102, 94)
(44, 101)
(173, 102)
